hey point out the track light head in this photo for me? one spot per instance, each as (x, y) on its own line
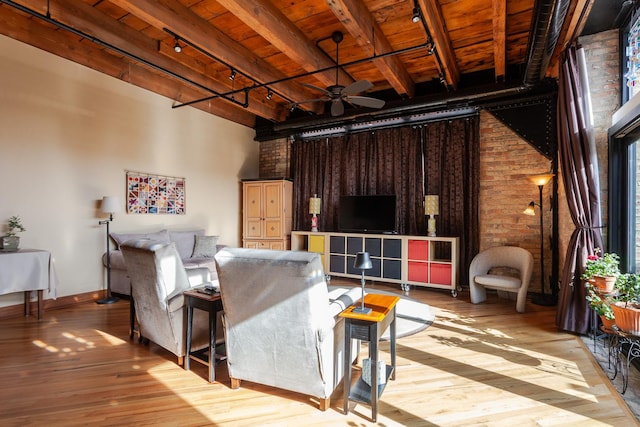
(416, 15)
(176, 46)
(443, 79)
(432, 49)
(269, 94)
(232, 76)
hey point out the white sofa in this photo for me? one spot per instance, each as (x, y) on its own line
(195, 250)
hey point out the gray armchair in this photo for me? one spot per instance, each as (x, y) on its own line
(281, 329)
(158, 280)
(481, 277)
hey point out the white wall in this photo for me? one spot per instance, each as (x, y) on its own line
(67, 136)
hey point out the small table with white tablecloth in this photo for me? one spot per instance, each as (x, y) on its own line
(27, 270)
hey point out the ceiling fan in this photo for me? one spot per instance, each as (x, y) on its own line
(338, 93)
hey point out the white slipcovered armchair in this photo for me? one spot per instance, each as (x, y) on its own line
(481, 279)
(158, 281)
(281, 326)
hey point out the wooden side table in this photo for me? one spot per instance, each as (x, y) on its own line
(211, 304)
(369, 327)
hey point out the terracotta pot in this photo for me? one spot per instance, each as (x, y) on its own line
(606, 323)
(627, 319)
(604, 283)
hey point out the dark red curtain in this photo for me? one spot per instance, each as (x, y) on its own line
(579, 167)
(436, 158)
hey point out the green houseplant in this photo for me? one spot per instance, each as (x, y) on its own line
(602, 271)
(601, 304)
(11, 242)
(626, 303)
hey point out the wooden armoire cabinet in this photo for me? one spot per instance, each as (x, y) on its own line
(267, 213)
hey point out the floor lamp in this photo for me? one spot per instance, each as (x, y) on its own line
(542, 298)
(110, 205)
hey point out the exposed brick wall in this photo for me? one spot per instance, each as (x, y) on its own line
(275, 159)
(506, 162)
(603, 66)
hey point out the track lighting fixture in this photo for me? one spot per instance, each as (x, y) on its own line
(177, 47)
(443, 80)
(416, 15)
(232, 76)
(269, 94)
(432, 48)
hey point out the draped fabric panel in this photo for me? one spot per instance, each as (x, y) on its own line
(579, 167)
(438, 158)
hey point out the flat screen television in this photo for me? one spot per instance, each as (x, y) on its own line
(367, 214)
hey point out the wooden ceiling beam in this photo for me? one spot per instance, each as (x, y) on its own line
(360, 23)
(577, 18)
(499, 38)
(268, 21)
(66, 45)
(176, 17)
(449, 65)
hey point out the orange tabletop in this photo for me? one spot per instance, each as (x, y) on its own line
(380, 306)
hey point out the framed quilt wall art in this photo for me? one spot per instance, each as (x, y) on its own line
(155, 194)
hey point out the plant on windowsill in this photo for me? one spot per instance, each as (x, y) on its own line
(11, 242)
(626, 304)
(602, 271)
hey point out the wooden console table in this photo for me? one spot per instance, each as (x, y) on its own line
(27, 270)
(369, 327)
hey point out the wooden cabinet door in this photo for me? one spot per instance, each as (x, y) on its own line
(253, 210)
(272, 202)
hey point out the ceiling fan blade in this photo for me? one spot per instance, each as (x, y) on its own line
(319, 89)
(357, 87)
(365, 101)
(337, 107)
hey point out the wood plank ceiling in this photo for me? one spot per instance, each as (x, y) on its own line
(281, 50)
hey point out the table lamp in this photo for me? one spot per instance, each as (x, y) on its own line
(431, 208)
(314, 209)
(110, 205)
(362, 262)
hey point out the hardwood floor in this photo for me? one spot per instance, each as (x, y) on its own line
(476, 365)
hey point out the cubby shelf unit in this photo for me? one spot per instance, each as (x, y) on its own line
(405, 260)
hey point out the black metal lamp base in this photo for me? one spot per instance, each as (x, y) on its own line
(108, 300)
(546, 300)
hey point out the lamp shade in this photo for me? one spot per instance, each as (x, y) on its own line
(542, 179)
(110, 204)
(363, 261)
(314, 204)
(530, 209)
(431, 205)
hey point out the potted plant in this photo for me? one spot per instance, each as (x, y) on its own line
(601, 304)
(602, 271)
(11, 242)
(626, 304)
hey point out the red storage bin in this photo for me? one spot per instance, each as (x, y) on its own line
(418, 272)
(419, 249)
(441, 274)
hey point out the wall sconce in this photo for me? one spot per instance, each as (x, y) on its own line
(540, 180)
(431, 208)
(110, 205)
(314, 209)
(362, 263)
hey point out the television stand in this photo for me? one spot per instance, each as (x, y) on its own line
(401, 259)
